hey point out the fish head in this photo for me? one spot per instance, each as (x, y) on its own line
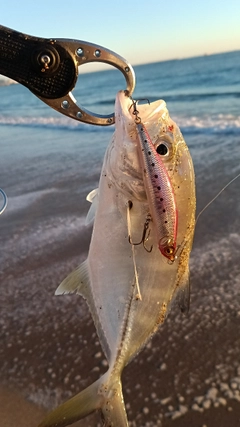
(172, 151)
(128, 177)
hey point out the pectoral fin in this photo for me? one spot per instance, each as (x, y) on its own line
(76, 282)
(92, 197)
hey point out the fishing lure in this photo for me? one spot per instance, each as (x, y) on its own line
(159, 191)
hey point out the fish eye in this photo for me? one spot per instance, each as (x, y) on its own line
(162, 149)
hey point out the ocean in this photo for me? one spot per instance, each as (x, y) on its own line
(48, 165)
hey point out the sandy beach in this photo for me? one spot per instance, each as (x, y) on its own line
(188, 375)
(16, 411)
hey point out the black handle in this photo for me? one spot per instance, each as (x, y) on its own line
(42, 65)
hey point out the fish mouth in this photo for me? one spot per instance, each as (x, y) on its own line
(151, 114)
(123, 105)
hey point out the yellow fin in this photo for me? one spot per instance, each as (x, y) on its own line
(105, 394)
(76, 282)
(74, 409)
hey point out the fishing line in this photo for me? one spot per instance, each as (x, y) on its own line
(138, 295)
(217, 195)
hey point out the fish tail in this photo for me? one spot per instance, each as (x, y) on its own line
(103, 395)
(75, 408)
(113, 408)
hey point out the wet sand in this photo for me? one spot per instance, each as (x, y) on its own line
(15, 411)
(18, 412)
(188, 375)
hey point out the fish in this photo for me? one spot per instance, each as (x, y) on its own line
(128, 281)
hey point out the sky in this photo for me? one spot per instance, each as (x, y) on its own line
(140, 31)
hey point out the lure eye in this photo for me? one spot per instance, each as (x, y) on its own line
(167, 248)
(162, 149)
(170, 253)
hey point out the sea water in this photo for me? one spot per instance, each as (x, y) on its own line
(52, 162)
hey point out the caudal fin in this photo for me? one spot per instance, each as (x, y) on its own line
(102, 395)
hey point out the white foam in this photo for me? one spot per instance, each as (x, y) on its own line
(23, 201)
(222, 253)
(5, 81)
(43, 237)
(37, 121)
(211, 124)
(54, 231)
(61, 122)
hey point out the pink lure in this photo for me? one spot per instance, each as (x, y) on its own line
(160, 194)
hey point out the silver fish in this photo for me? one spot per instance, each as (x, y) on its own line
(127, 281)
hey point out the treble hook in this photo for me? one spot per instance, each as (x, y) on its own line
(4, 201)
(144, 235)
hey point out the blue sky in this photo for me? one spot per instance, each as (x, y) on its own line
(141, 31)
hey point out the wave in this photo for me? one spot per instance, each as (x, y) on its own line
(60, 123)
(18, 203)
(4, 81)
(192, 97)
(217, 253)
(218, 124)
(181, 97)
(44, 234)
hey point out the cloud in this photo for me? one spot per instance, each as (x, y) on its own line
(4, 81)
